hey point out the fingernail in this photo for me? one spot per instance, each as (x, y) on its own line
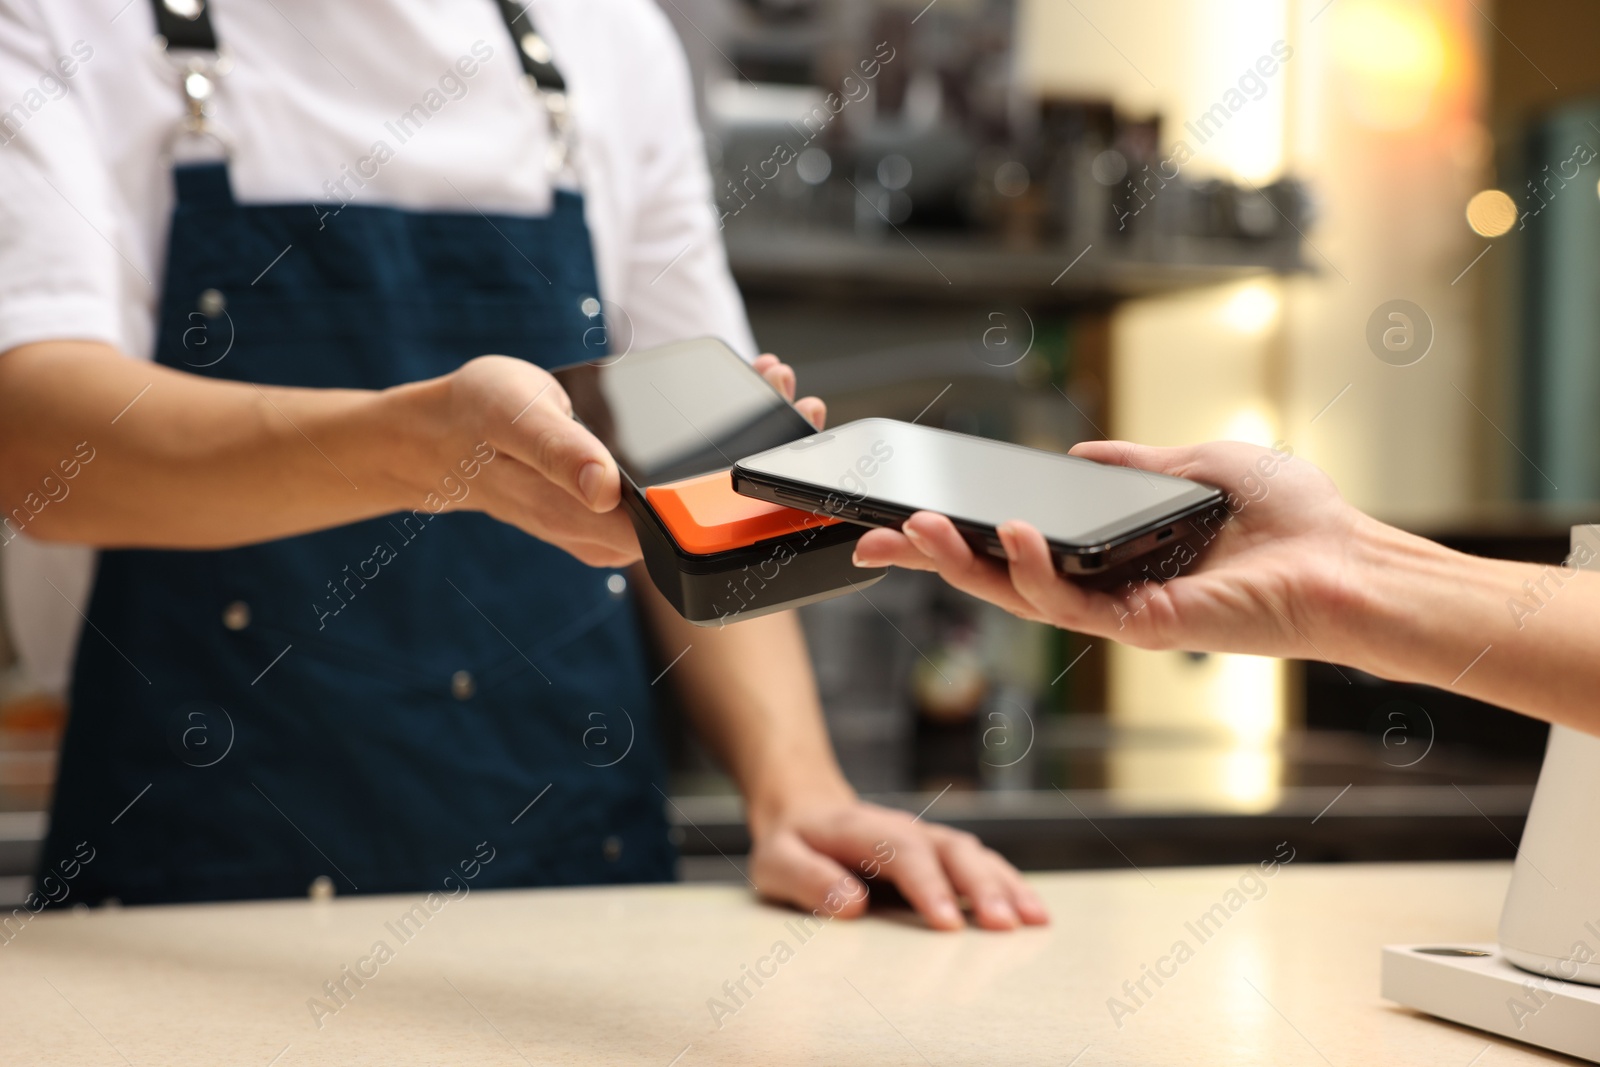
(947, 913)
(865, 561)
(1003, 912)
(589, 479)
(916, 539)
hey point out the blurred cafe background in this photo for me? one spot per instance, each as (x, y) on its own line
(1055, 220)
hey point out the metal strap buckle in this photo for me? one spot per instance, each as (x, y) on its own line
(198, 74)
(561, 159)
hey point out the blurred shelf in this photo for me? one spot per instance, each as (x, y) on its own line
(1094, 828)
(1535, 531)
(1088, 829)
(836, 264)
(21, 834)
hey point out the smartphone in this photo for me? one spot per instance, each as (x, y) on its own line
(676, 418)
(877, 472)
(680, 410)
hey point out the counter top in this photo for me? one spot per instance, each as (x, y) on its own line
(1284, 972)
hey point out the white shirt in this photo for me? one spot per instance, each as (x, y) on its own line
(88, 105)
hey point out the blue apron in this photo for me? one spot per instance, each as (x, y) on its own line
(371, 702)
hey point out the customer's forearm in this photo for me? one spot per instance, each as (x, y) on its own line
(184, 461)
(1518, 635)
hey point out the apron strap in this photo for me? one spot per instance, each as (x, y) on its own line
(185, 24)
(549, 87)
(189, 42)
(537, 61)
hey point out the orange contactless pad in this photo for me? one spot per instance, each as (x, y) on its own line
(705, 515)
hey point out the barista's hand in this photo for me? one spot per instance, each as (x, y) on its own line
(1271, 582)
(549, 476)
(820, 855)
(780, 376)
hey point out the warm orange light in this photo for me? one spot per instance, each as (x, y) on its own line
(1395, 55)
(1491, 213)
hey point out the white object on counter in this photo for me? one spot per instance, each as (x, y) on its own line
(1551, 921)
(1541, 983)
(1483, 990)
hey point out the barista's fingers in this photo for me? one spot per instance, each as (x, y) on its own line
(938, 539)
(815, 411)
(521, 386)
(781, 377)
(558, 447)
(605, 540)
(594, 554)
(778, 374)
(784, 867)
(996, 890)
(1030, 906)
(982, 876)
(917, 871)
(516, 493)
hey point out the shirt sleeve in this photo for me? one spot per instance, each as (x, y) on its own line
(676, 279)
(60, 265)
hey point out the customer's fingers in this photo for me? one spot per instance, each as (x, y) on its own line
(890, 548)
(938, 539)
(1220, 463)
(1128, 454)
(1048, 595)
(784, 867)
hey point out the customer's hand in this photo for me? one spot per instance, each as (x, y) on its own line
(820, 856)
(1269, 582)
(549, 476)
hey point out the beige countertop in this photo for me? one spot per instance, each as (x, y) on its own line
(1284, 973)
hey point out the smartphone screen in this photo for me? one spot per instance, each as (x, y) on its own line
(681, 410)
(882, 469)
